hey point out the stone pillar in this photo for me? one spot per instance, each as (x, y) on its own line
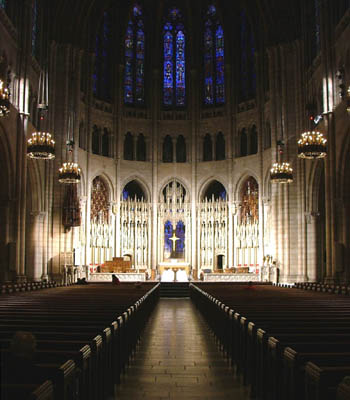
(36, 268)
(311, 235)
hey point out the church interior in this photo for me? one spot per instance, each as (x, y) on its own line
(197, 150)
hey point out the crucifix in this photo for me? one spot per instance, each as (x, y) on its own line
(174, 239)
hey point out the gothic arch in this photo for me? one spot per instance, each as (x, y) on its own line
(205, 185)
(168, 180)
(142, 184)
(106, 180)
(241, 180)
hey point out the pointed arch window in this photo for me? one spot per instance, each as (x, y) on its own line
(168, 149)
(214, 59)
(134, 76)
(253, 140)
(128, 147)
(220, 147)
(207, 148)
(34, 28)
(141, 148)
(102, 72)
(180, 149)
(243, 143)
(174, 60)
(95, 145)
(105, 142)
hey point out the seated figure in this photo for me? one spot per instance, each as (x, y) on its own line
(168, 276)
(181, 276)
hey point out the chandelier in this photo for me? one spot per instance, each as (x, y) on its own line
(41, 146)
(312, 145)
(69, 173)
(281, 173)
(4, 100)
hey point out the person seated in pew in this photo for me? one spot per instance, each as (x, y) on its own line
(82, 281)
(115, 280)
(250, 286)
(20, 367)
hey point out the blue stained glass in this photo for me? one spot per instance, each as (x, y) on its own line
(208, 67)
(134, 76)
(125, 195)
(174, 67)
(214, 60)
(180, 234)
(175, 13)
(211, 10)
(180, 69)
(3, 4)
(168, 232)
(168, 68)
(220, 76)
(137, 10)
(129, 54)
(34, 27)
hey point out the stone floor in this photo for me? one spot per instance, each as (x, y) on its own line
(178, 359)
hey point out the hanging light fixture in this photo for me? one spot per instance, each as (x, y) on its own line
(4, 100)
(41, 146)
(312, 145)
(281, 172)
(69, 173)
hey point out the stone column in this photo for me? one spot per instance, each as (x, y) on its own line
(36, 269)
(311, 235)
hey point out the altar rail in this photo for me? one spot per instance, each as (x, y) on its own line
(223, 277)
(123, 277)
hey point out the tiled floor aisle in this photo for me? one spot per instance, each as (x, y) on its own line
(178, 359)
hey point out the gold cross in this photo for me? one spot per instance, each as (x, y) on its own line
(174, 239)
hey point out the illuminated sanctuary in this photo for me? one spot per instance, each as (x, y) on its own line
(175, 140)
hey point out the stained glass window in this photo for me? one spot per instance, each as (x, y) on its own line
(134, 75)
(102, 73)
(174, 67)
(34, 27)
(168, 232)
(3, 4)
(180, 234)
(214, 59)
(247, 47)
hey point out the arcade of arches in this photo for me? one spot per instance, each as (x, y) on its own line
(175, 134)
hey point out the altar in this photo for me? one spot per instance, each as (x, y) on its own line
(174, 271)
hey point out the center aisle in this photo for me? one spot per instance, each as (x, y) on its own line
(178, 359)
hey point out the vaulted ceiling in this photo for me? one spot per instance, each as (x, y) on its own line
(77, 21)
